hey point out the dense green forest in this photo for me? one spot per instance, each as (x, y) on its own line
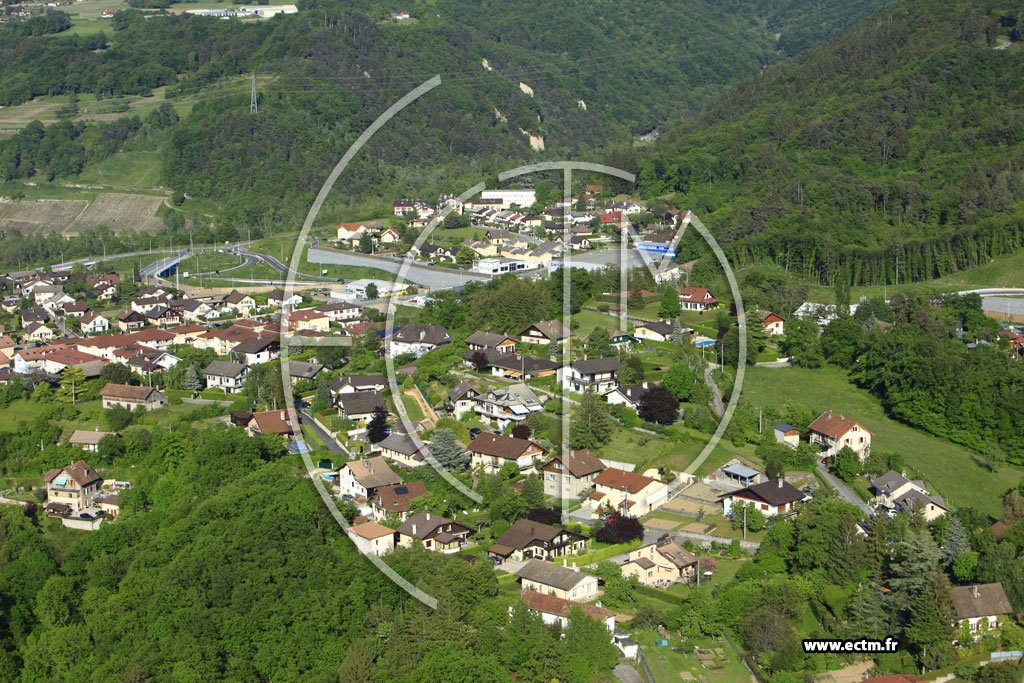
(892, 154)
(328, 71)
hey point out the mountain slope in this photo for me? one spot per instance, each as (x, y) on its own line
(892, 154)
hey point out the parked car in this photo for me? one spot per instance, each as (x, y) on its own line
(475, 432)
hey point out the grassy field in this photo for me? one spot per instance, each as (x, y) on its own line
(950, 470)
(666, 664)
(210, 261)
(124, 169)
(124, 265)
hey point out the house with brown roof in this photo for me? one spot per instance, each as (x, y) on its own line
(491, 451)
(568, 583)
(241, 303)
(129, 397)
(627, 493)
(130, 320)
(660, 563)
(396, 499)
(772, 324)
(360, 406)
(460, 399)
(360, 479)
(372, 538)
(554, 610)
(545, 332)
(481, 341)
(272, 422)
(74, 486)
(37, 332)
(696, 299)
(831, 431)
(528, 539)
(655, 331)
(895, 492)
(572, 475)
(981, 607)
(776, 497)
(433, 531)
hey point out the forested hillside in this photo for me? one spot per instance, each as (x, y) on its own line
(592, 73)
(892, 154)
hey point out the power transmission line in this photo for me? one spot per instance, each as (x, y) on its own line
(253, 107)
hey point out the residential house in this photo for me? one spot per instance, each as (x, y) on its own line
(772, 324)
(568, 583)
(491, 451)
(433, 531)
(460, 399)
(545, 332)
(357, 383)
(771, 497)
(527, 539)
(481, 341)
(403, 449)
(308, 319)
(660, 563)
(242, 304)
(396, 499)
(787, 434)
(37, 332)
(555, 611)
(417, 338)
(257, 350)
(7, 345)
(389, 235)
(523, 368)
(226, 375)
(360, 479)
(162, 316)
(372, 538)
(656, 331)
(300, 370)
(88, 439)
(696, 299)
(630, 396)
(596, 374)
(572, 475)
(33, 315)
(350, 233)
(895, 492)
(359, 407)
(74, 487)
(129, 397)
(94, 323)
(340, 312)
(278, 298)
(831, 431)
(130, 320)
(507, 404)
(627, 493)
(981, 607)
(109, 505)
(277, 422)
(193, 310)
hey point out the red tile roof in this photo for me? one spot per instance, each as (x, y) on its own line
(834, 425)
(623, 481)
(549, 604)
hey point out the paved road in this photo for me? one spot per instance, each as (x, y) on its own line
(328, 440)
(844, 491)
(427, 276)
(716, 401)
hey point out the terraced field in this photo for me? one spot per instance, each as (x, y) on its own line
(71, 216)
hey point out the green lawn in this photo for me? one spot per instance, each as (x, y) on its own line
(950, 470)
(590, 320)
(666, 664)
(412, 408)
(124, 169)
(209, 262)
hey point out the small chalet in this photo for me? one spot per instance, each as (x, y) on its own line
(596, 374)
(773, 325)
(88, 439)
(787, 435)
(981, 607)
(403, 450)
(696, 299)
(771, 497)
(272, 422)
(460, 399)
(554, 579)
(527, 539)
(435, 532)
(545, 332)
(481, 341)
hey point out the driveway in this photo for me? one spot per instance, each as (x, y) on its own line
(627, 674)
(329, 441)
(844, 491)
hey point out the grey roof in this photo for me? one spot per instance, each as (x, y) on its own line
(434, 335)
(783, 427)
(461, 389)
(595, 365)
(661, 328)
(359, 382)
(303, 370)
(425, 524)
(223, 368)
(552, 329)
(486, 339)
(990, 601)
(740, 470)
(401, 444)
(256, 344)
(889, 482)
(550, 574)
(361, 402)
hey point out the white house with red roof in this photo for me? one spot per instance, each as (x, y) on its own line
(773, 324)
(696, 299)
(831, 431)
(627, 493)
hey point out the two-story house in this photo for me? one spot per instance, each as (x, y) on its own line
(895, 492)
(568, 583)
(660, 563)
(776, 497)
(628, 493)
(372, 538)
(460, 399)
(435, 532)
(360, 479)
(403, 449)
(572, 475)
(225, 375)
(594, 374)
(396, 499)
(981, 607)
(507, 404)
(545, 332)
(831, 431)
(490, 452)
(360, 406)
(417, 339)
(75, 486)
(129, 397)
(528, 539)
(481, 341)
(696, 299)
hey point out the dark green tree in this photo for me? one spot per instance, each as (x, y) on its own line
(591, 426)
(669, 308)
